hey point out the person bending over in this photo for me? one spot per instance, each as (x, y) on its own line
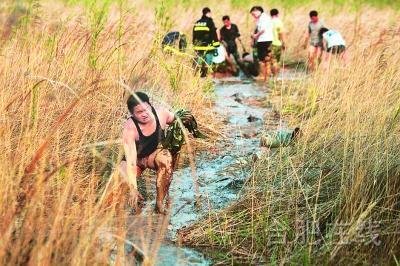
(333, 44)
(142, 135)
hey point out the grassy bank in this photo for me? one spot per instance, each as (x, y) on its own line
(333, 196)
(66, 71)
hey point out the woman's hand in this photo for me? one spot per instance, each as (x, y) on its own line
(134, 198)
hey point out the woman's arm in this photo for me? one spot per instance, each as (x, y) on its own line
(128, 139)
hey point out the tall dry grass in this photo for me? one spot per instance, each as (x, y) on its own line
(64, 73)
(332, 197)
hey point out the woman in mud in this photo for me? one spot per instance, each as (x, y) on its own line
(142, 135)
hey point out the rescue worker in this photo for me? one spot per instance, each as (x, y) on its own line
(205, 41)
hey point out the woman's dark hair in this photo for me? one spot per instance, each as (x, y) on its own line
(259, 8)
(322, 31)
(274, 12)
(313, 13)
(226, 17)
(137, 98)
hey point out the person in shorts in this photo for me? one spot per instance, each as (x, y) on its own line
(333, 45)
(313, 40)
(263, 40)
(278, 42)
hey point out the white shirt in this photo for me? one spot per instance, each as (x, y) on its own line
(333, 38)
(265, 23)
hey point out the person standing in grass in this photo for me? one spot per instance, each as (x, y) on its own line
(142, 136)
(313, 40)
(278, 42)
(333, 44)
(230, 37)
(205, 41)
(263, 38)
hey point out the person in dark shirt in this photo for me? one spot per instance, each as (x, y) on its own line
(142, 134)
(230, 36)
(152, 138)
(205, 40)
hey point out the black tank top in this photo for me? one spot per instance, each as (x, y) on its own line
(146, 145)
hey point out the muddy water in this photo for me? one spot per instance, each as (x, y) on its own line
(221, 173)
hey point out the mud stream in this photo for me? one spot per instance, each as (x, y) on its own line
(220, 172)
